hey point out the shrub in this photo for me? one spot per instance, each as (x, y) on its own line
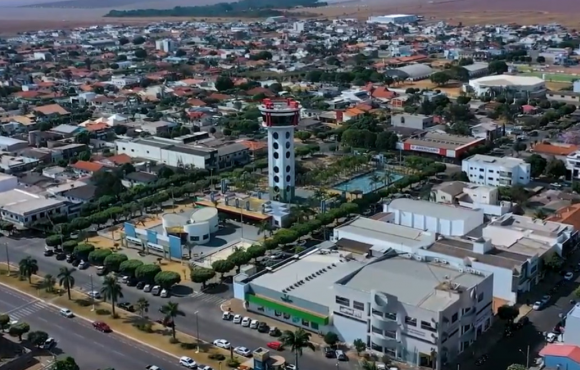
(217, 357)
(146, 327)
(83, 302)
(189, 346)
(102, 311)
(69, 246)
(232, 362)
(173, 340)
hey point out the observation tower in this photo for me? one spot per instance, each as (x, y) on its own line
(280, 117)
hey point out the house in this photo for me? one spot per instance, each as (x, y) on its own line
(50, 110)
(67, 130)
(84, 168)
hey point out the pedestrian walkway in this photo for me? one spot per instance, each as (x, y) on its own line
(29, 309)
(201, 296)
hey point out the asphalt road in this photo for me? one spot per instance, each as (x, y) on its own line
(76, 337)
(211, 325)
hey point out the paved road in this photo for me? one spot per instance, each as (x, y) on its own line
(211, 325)
(76, 337)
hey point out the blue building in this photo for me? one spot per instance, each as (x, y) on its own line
(561, 356)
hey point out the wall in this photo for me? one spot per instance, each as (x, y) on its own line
(489, 209)
(8, 182)
(341, 233)
(433, 224)
(563, 363)
(159, 155)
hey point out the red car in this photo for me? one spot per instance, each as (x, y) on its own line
(101, 326)
(275, 345)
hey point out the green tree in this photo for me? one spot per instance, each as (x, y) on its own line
(201, 275)
(67, 363)
(27, 267)
(265, 227)
(37, 338)
(111, 291)
(507, 313)
(224, 83)
(4, 322)
(19, 329)
(53, 240)
(556, 168)
(297, 341)
(98, 256)
(142, 306)
(256, 250)
(140, 53)
(439, 78)
(497, 67)
(69, 246)
(516, 367)
(331, 338)
(48, 283)
(171, 311)
(537, 164)
(222, 267)
(359, 346)
(239, 258)
(146, 273)
(113, 261)
(66, 279)
(167, 279)
(129, 267)
(82, 251)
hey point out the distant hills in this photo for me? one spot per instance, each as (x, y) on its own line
(243, 8)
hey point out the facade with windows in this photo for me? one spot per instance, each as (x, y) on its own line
(488, 170)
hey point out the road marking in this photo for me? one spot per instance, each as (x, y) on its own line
(28, 309)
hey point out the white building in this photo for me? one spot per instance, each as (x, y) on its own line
(23, 208)
(573, 164)
(522, 85)
(494, 171)
(393, 18)
(436, 218)
(166, 45)
(199, 226)
(122, 81)
(483, 197)
(279, 118)
(7, 182)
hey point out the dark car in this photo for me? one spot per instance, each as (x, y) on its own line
(263, 327)
(48, 252)
(140, 285)
(132, 282)
(60, 257)
(126, 306)
(70, 258)
(76, 263)
(329, 352)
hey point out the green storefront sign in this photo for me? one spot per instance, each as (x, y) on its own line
(287, 309)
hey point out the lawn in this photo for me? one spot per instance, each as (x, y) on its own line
(556, 77)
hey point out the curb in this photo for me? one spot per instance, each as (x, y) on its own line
(91, 321)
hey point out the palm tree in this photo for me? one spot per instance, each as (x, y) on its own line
(48, 283)
(111, 290)
(27, 267)
(297, 341)
(189, 246)
(66, 279)
(171, 311)
(142, 306)
(265, 227)
(374, 179)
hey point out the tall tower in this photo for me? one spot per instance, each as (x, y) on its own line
(280, 117)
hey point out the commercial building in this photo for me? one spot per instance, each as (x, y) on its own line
(572, 333)
(438, 313)
(444, 145)
(482, 197)
(443, 219)
(520, 85)
(198, 227)
(413, 72)
(494, 171)
(23, 208)
(393, 18)
(166, 45)
(7, 182)
(280, 117)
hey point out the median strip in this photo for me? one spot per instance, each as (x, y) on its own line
(132, 326)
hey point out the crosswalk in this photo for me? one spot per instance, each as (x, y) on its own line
(29, 309)
(201, 296)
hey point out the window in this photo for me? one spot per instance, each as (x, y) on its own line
(342, 301)
(427, 326)
(358, 305)
(277, 313)
(194, 238)
(376, 347)
(314, 325)
(286, 316)
(391, 334)
(305, 323)
(391, 316)
(378, 313)
(410, 321)
(260, 308)
(377, 330)
(480, 297)
(465, 329)
(391, 352)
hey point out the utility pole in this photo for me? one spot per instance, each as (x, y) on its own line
(7, 258)
(91, 295)
(197, 330)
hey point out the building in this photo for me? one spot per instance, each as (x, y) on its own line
(7, 182)
(560, 356)
(166, 45)
(494, 171)
(435, 315)
(573, 164)
(413, 72)
(279, 119)
(198, 227)
(435, 218)
(393, 18)
(521, 85)
(8, 144)
(23, 209)
(572, 333)
(444, 145)
(413, 121)
(482, 197)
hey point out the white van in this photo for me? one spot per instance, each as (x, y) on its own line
(156, 290)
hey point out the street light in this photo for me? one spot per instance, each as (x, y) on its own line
(197, 331)
(91, 293)
(527, 354)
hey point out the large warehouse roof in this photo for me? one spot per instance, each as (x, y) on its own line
(411, 71)
(508, 80)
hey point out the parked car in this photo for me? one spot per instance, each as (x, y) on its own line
(246, 322)
(48, 252)
(274, 332)
(60, 256)
(140, 285)
(222, 343)
(101, 326)
(569, 276)
(95, 294)
(187, 362)
(126, 306)
(48, 344)
(156, 290)
(243, 351)
(254, 324)
(101, 270)
(237, 319)
(164, 293)
(83, 265)
(263, 327)
(329, 352)
(76, 263)
(147, 288)
(226, 315)
(70, 258)
(275, 345)
(340, 355)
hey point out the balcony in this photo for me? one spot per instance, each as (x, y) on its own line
(504, 174)
(384, 324)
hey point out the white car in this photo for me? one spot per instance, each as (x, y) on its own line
(66, 312)
(147, 288)
(569, 276)
(551, 337)
(164, 293)
(226, 315)
(222, 343)
(237, 319)
(254, 324)
(246, 322)
(537, 306)
(187, 362)
(243, 351)
(152, 367)
(204, 367)
(48, 343)
(290, 367)
(94, 294)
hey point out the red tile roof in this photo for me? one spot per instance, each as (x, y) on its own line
(562, 350)
(87, 166)
(120, 159)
